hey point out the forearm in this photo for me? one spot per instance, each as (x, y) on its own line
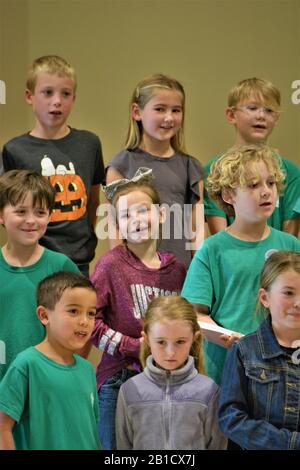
(292, 226)
(6, 440)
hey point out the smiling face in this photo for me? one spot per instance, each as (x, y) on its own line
(138, 218)
(170, 343)
(24, 223)
(257, 201)
(161, 117)
(282, 299)
(51, 101)
(70, 324)
(254, 121)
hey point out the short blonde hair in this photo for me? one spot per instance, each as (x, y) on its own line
(143, 92)
(236, 167)
(53, 65)
(263, 90)
(173, 307)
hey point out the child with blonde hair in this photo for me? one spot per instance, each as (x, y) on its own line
(254, 109)
(260, 385)
(70, 158)
(127, 278)
(223, 278)
(171, 405)
(155, 139)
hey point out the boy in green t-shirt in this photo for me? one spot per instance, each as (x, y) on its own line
(26, 201)
(223, 278)
(48, 398)
(254, 109)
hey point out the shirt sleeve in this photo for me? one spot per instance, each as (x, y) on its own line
(14, 392)
(291, 191)
(104, 337)
(198, 284)
(8, 161)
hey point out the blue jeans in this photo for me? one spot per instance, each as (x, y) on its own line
(108, 396)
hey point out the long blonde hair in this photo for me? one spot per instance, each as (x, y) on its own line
(143, 92)
(173, 307)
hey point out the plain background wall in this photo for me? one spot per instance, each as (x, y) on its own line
(209, 45)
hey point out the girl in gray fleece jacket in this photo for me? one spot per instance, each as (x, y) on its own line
(170, 405)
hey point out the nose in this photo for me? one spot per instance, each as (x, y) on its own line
(83, 319)
(57, 99)
(170, 350)
(265, 191)
(30, 218)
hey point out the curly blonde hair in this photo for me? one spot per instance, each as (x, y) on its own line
(173, 307)
(235, 169)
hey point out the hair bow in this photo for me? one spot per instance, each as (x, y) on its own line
(141, 174)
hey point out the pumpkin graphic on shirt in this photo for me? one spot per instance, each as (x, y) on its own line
(70, 198)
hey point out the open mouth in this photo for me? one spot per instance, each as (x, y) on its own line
(80, 334)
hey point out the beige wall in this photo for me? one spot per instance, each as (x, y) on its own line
(207, 44)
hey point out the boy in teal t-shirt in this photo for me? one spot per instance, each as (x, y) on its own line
(26, 200)
(48, 397)
(223, 278)
(254, 108)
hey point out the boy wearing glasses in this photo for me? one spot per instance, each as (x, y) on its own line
(254, 108)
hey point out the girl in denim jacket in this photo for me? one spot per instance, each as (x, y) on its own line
(260, 391)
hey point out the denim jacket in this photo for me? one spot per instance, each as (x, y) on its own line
(259, 402)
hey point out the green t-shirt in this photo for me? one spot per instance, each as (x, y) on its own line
(224, 275)
(19, 324)
(285, 205)
(297, 206)
(55, 406)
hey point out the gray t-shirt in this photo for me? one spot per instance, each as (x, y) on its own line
(176, 179)
(73, 165)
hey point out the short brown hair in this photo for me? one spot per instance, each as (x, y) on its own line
(16, 184)
(231, 170)
(53, 65)
(51, 289)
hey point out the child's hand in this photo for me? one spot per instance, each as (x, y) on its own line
(227, 341)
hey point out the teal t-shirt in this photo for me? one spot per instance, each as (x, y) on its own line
(55, 406)
(19, 324)
(224, 275)
(285, 204)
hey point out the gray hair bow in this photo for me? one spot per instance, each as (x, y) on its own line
(141, 174)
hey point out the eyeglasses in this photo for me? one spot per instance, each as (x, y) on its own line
(253, 110)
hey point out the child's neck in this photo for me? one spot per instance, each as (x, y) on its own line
(59, 355)
(240, 141)
(248, 232)
(156, 148)
(147, 253)
(49, 133)
(21, 256)
(287, 336)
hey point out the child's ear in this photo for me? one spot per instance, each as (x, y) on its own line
(145, 338)
(28, 96)
(42, 313)
(264, 297)
(135, 112)
(228, 195)
(1, 219)
(230, 114)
